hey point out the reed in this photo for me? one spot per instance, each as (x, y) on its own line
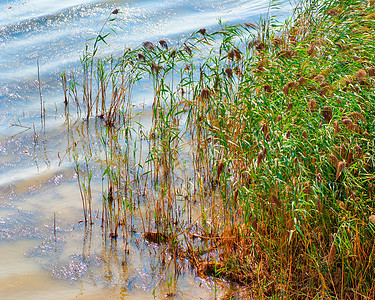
(268, 131)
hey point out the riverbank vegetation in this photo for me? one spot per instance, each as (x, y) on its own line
(258, 166)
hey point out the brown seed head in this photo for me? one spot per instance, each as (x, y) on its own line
(340, 168)
(319, 177)
(279, 118)
(326, 114)
(302, 81)
(260, 46)
(319, 78)
(312, 49)
(360, 75)
(285, 90)
(348, 123)
(220, 168)
(202, 31)
(141, 56)
(371, 72)
(276, 201)
(230, 55)
(229, 72)
(358, 151)
(288, 134)
(115, 12)
(357, 116)
(163, 44)
(331, 254)
(287, 54)
(333, 159)
(188, 49)
(304, 134)
(260, 158)
(277, 41)
(336, 126)
(312, 105)
(155, 68)
(371, 219)
(205, 93)
(148, 45)
(237, 54)
(306, 188)
(267, 88)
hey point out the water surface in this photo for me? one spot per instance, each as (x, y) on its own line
(45, 251)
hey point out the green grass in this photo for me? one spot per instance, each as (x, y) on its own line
(278, 126)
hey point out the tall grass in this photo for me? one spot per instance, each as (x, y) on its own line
(276, 127)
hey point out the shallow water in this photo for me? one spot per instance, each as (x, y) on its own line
(45, 252)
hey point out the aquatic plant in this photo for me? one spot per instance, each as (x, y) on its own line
(269, 131)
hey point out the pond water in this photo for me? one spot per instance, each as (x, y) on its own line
(45, 251)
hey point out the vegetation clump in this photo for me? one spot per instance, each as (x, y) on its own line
(278, 129)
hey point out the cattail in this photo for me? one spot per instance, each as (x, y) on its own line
(327, 114)
(163, 44)
(148, 45)
(340, 168)
(333, 159)
(336, 126)
(115, 12)
(202, 31)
